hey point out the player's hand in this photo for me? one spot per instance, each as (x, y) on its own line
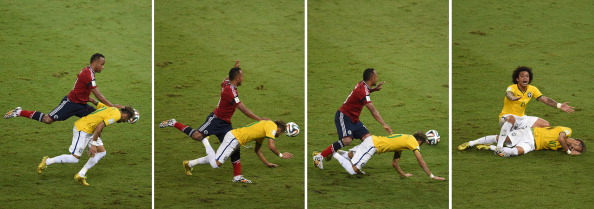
(566, 108)
(378, 86)
(573, 152)
(271, 165)
(92, 150)
(388, 129)
(287, 155)
(237, 63)
(438, 178)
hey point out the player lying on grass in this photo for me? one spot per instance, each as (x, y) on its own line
(85, 133)
(516, 99)
(218, 122)
(358, 156)
(256, 131)
(522, 141)
(346, 119)
(75, 103)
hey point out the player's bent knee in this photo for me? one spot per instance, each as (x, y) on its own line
(197, 136)
(346, 141)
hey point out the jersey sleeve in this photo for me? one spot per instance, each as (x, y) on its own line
(509, 88)
(235, 95)
(88, 79)
(100, 105)
(113, 116)
(270, 129)
(413, 145)
(567, 131)
(364, 95)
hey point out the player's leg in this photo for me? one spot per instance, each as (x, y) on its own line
(344, 162)
(483, 140)
(101, 152)
(362, 155)
(191, 132)
(227, 147)
(79, 142)
(508, 123)
(345, 129)
(519, 142)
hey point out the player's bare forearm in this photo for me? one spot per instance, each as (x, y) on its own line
(247, 112)
(422, 162)
(272, 147)
(398, 169)
(510, 96)
(376, 115)
(93, 101)
(100, 97)
(562, 141)
(548, 101)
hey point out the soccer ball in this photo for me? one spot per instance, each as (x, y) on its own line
(432, 137)
(292, 129)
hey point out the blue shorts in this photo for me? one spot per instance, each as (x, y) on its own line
(215, 126)
(345, 127)
(67, 109)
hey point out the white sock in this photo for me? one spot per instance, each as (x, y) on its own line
(503, 133)
(484, 140)
(346, 164)
(492, 147)
(199, 161)
(510, 151)
(92, 162)
(210, 153)
(344, 154)
(66, 158)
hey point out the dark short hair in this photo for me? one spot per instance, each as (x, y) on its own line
(281, 124)
(128, 110)
(234, 72)
(96, 56)
(367, 74)
(519, 69)
(582, 144)
(420, 136)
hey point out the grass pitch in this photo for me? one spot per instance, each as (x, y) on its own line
(490, 39)
(407, 43)
(43, 49)
(195, 46)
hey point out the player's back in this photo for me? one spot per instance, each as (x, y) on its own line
(548, 137)
(85, 81)
(395, 142)
(104, 113)
(355, 101)
(255, 130)
(227, 102)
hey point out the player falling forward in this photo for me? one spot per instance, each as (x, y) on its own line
(347, 120)
(75, 103)
(525, 140)
(357, 157)
(256, 131)
(85, 133)
(218, 122)
(516, 99)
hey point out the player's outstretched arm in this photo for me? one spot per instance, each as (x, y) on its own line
(100, 97)
(378, 117)
(247, 112)
(551, 102)
(272, 147)
(397, 166)
(424, 166)
(258, 151)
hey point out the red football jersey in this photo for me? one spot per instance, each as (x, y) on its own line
(228, 102)
(357, 99)
(83, 85)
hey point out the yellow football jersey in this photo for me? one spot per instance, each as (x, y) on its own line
(395, 142)
(548, 138)
(519, 106)
(104, 113)
(255, 130)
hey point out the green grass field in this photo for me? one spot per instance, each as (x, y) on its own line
(407, 43)
(44, 46)
(490, 40)
(196, 44)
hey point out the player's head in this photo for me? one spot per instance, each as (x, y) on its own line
(522, 75)
(420, 137)
(370, 76)
(236, 75)
(97, 62)
(576, 145)
(129, 114)
(281, 127)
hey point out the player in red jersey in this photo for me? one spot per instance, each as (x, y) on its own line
(347, 120)
(75, 103)
(218, 122)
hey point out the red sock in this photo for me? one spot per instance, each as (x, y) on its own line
(236, 168)
(180, 126)
(327, 151)
(26, 113)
